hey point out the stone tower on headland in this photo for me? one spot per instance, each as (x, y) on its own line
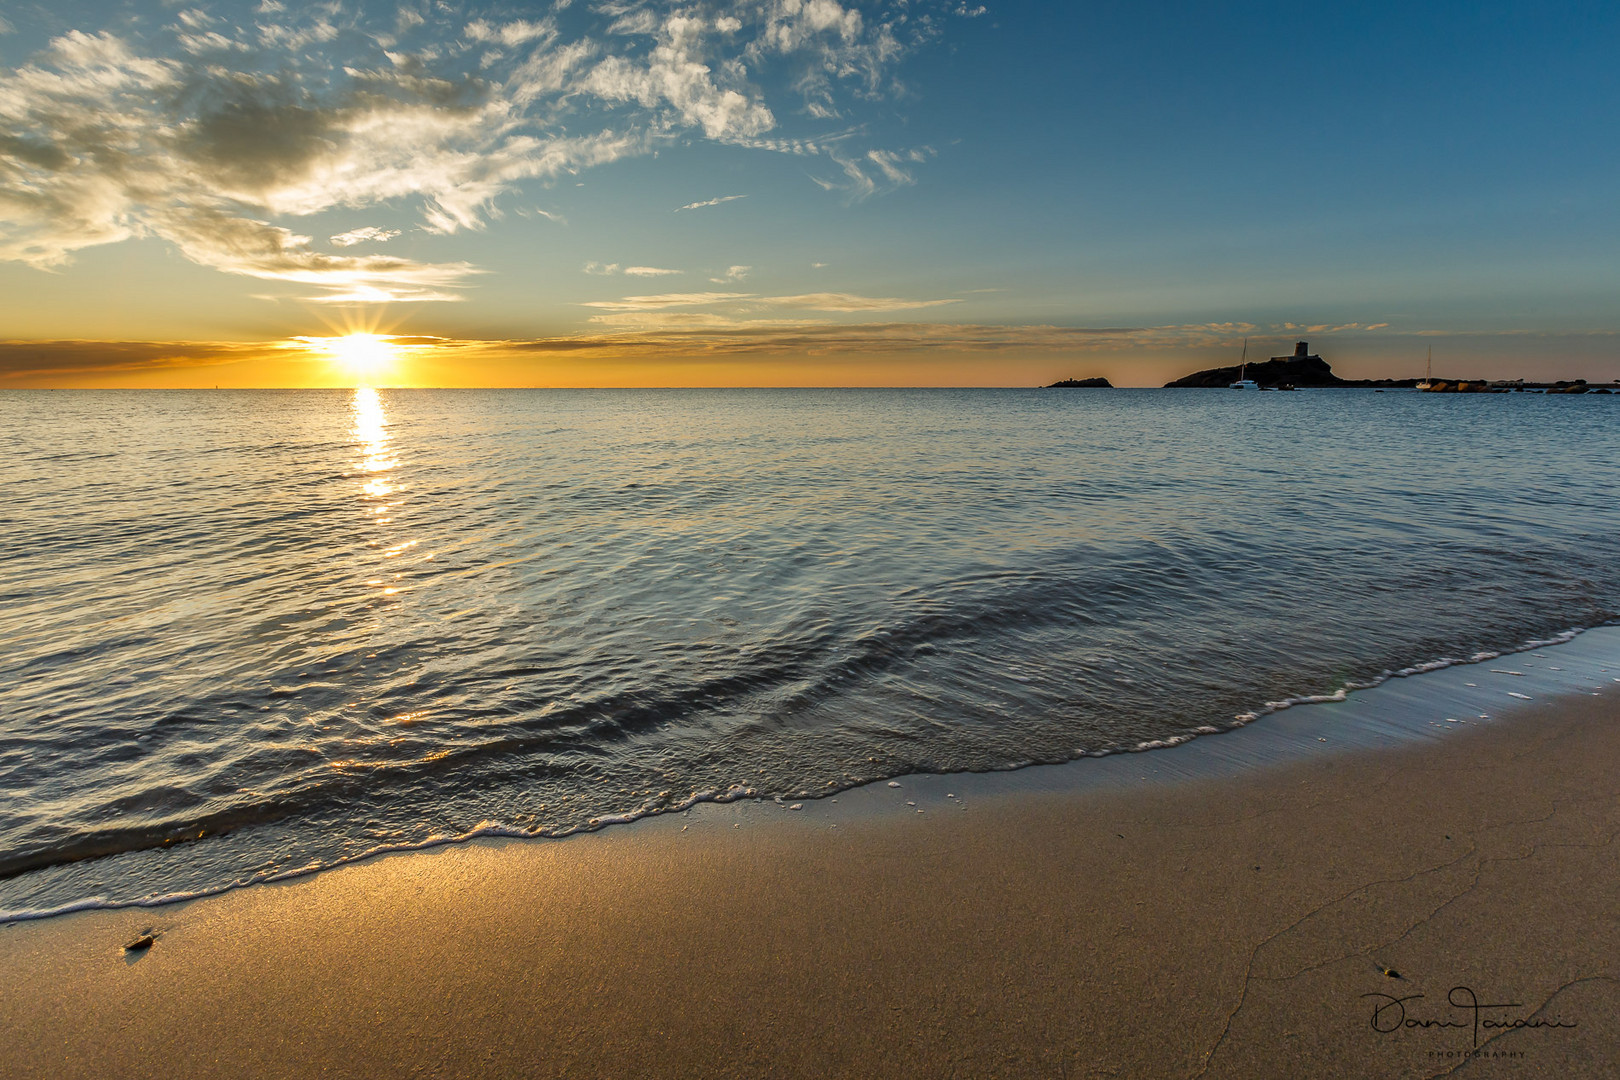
(1302, 351)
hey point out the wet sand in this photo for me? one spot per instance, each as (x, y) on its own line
(1225, 927)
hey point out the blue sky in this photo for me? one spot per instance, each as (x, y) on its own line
(814, 192)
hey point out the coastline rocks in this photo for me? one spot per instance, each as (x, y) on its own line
(1441, 386)
(1480, 386)
(1083, 384)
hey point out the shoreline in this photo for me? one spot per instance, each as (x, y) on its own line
(1189, 925)
(1371, 714)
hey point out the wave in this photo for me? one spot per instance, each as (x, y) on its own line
(738, 792)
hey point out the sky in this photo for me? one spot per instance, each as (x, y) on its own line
(802, 192)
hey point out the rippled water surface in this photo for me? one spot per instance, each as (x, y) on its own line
(246, 632)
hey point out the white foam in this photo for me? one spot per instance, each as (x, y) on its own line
(1416, 669)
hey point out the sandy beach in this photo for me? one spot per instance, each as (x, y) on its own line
(1335, 917)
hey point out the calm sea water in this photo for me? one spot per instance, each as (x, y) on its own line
(248, 632)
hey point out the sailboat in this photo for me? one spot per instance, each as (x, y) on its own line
(1428, 371)
(1244, 382)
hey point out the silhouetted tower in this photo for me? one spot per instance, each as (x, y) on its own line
(1301, 349)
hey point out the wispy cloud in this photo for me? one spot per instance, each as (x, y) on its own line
(600, 269)
(653, 328)
(25, 360)
(364, 234)
(874, 172)
(751, 302)
(214, 130)
(710, 202)
(827, 301)
(733, 273)
(513, 33)
(664, 300)
(1330, 328)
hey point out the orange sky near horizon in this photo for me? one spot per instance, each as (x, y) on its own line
(889, 355)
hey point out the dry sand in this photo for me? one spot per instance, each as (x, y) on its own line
(1223, 928)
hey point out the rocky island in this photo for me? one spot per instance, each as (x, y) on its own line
(1082, 384)
(1303, 369)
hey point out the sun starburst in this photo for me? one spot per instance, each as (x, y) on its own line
(361, 355)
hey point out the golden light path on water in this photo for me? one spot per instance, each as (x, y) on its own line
(371, 433)
(377, 462)
(382, 493)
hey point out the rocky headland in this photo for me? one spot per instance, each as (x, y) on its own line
(1309, 371)
(1302, 371)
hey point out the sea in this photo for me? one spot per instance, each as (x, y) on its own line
(249, 634)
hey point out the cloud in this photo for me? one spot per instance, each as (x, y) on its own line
(25, 360)
(649, 321)
(710, 202)
(667, 331)
(259, 249)
(734, 273)
(512, 33)
(675, 80)
(362, 235)
(826, 301)
(850, 302)
(216, 129)
(664, 300)
(652, 331)
(875, 171)
(608, 269)
(1329, 328)
(837, 45)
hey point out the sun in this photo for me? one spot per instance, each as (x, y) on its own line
(361, 355)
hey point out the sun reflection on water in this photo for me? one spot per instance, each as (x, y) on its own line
(371, 432)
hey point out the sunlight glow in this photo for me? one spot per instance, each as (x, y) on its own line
(366, 356)
(361, 354)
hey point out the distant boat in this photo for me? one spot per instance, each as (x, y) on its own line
(1428, 371)
(1244, 382)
